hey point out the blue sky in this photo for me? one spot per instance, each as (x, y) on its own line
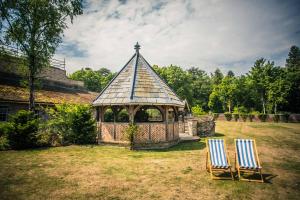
(227, 34)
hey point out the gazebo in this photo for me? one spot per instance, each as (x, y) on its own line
(138, 95)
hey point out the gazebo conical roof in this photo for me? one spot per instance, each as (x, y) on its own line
(137, 84)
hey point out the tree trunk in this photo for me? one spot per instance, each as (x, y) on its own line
(31, 92)
(275, 108)
(264, 106)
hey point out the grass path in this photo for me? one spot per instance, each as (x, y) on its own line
(107, 172)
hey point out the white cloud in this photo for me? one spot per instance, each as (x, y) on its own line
(206, 34)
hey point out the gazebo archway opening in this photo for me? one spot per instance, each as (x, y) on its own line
(149, 114)
(172, 115)
(115, 114)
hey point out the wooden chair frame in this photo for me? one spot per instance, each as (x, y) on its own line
(239, 169)
(210, 169)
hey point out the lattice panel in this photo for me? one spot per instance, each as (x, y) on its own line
(176, 130)
(120, 131)
(143, 134)
(158, 132)
(107, 132)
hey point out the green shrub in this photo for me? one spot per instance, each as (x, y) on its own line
(215, 116)
(24, 130)
(197, 111)
(5, 129)
(228, 116)
(244, 116)
(236, 117)
(239, 110)
(109, 115)
(263, 117)
(4, 143)
(251, 117)
(83, 125)
(276, 118)
(122, 116)
(59, 124)
(130, 133)
(71, 124)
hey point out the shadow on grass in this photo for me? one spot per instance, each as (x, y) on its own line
(185, 146)
(215, 135)
(267, 177)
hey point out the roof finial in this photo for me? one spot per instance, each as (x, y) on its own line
(137, 47)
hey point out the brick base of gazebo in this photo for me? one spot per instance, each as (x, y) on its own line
(149, 135)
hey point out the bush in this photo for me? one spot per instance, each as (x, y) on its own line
(197, 111)
(71, 124)
(215, 116)
(251, 117)
(83, 125)
(236, 116)
(24, 128)
(276, 118)
(5, 129)
(228, 116)
(263, 117)
(130, 133)
(239, 110)
(244, 117)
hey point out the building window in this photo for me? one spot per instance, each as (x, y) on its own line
(3, 113)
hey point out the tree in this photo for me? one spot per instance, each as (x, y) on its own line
(201, 87)
(215, 103)
(293, 76)
(217, 77)
(261, 75)
(230, 73)
(93, 80)
(278, 90)
(36, 27)
(227, 91)
(178, 79)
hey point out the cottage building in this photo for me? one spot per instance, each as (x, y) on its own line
(138, 95)
(54, 86)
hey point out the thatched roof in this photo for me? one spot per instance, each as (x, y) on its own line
(137, 84)
(17, 94)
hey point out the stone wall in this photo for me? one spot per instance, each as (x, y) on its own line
(206, 126)
(201, 126)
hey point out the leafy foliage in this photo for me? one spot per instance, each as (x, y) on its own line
(244, 117)
(83, 125)
(236, 116)
(197, 111)
(23, 129)
(130, 133)
(93, 80)
(228, 116)
(5, 129)
(72, 124)
(263, 117)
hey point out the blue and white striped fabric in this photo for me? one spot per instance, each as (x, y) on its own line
(217, 153)
(245, 153)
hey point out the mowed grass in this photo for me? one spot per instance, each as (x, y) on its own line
(108, 172)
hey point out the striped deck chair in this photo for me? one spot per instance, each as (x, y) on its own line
(217, 158)
(246, 158)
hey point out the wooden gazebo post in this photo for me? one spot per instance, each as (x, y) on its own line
(167, 122)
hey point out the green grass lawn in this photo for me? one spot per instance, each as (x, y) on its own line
(107, 172)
